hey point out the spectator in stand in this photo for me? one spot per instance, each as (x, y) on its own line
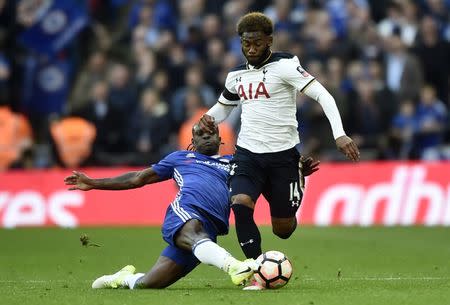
(407, 29)
(194, 80)
(212, 27)
(122, 90)
(194, 44)
(146, 22)
(215, 55)
(280, 14)
(434, 55)
(403, 71)
(149, 129)
(400, 140)
(161, 84)
(96, 69)
(109, 123)
(190, 15)
(177, 65)
(145, 67)
(163, 16)
(431, 116)
(368, 43)
(366, 118)
(438, 9)
(357, 21)
(386, 100)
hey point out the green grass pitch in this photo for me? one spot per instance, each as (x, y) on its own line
(377, 266)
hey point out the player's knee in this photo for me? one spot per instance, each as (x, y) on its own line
(191, 232)
(244, 200)
(282, 234)
(284, 229)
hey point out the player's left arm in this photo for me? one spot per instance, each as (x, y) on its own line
(130, 180)
(293, 73)
(344, 143)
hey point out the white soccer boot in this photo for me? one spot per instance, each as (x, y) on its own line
(240, 272)
(115, 280)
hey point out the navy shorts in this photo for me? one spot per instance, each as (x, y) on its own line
(275, 175)
(177, 214)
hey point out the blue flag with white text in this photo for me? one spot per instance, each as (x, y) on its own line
(56, 28)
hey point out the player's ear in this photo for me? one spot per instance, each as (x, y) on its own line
(270, 40)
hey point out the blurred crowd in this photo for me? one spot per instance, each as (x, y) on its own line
(116, 82)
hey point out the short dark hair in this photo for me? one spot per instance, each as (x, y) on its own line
(255, 22)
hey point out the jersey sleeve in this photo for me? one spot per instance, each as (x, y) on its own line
(164, 168)
(229, 95)
(293, 73)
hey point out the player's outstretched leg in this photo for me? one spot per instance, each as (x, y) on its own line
(116, 280)
(164, 273)
(208, 252)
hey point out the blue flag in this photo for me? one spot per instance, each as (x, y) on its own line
(46, 85)
(56, 28)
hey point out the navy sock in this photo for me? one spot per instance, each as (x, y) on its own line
(247, 232)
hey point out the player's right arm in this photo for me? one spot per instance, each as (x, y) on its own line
(222, 109)
(130, 180)
(215, 115)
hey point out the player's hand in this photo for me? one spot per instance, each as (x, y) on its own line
(346, 146)
(79, 181)
(207, 123)
(308, 165)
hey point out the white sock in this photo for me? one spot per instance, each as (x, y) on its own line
(208, 252)
(130, 280)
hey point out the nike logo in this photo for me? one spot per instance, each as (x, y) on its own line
(250, 241)
(244, 271)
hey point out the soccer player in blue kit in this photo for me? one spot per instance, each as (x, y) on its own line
(198, 214)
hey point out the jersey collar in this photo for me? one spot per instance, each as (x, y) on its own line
(265, 61)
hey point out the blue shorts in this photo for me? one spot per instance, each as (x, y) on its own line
(177, 215)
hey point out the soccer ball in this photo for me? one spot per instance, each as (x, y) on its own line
(274, 270)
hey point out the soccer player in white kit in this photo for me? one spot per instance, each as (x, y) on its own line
(266, 160)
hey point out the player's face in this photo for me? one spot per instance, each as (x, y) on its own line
(205, 142)
(255, 46)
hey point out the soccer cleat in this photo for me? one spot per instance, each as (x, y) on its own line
(115, 280)
(240, 272)
(253, 285)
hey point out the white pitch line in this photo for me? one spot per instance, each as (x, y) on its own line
(380, 279)
(225, 279)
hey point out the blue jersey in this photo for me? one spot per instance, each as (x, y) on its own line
(202, 180)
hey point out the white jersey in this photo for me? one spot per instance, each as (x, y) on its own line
(268, 97)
